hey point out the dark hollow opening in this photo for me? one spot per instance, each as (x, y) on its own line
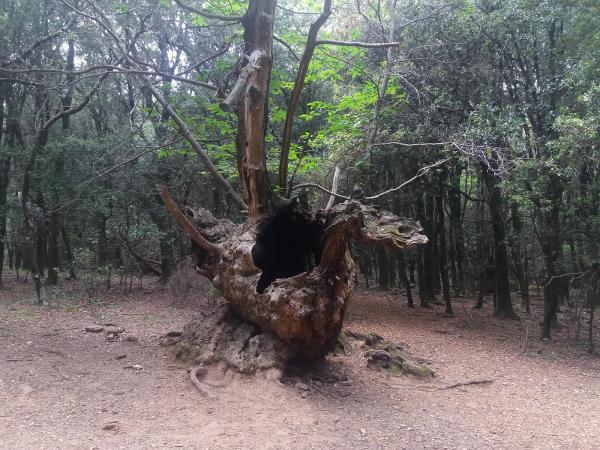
(288, 242)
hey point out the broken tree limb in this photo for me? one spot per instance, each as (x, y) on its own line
(358, 44)
(334, 188)
(466, 383)
(188, 228)
(321, 188)
(236, 93)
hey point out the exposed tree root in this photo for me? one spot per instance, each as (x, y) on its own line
(218, 337)
(467, 383)
(202, 387)
(382, 354)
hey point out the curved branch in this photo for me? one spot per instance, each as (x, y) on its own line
(208, 15)
(422, 171)
(311, 43)
(187, 133)
(318, 186)
(358, 44)
(287, 46)
(187, 226)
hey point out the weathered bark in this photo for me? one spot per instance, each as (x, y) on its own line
(303, 309)
(306, 311)
(250, 97)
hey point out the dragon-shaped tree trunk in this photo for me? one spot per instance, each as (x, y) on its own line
(296, 306)
(306, 310)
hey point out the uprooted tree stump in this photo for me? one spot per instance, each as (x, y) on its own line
(269, 320)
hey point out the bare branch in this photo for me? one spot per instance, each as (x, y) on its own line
(186, 132)
(406, 144)
(422, 171)
(311, 43)
(334, 187)
(188, 228)
(318, 186)
(108, 171)
(359, 44)
(238, 90)
(208, 15)
(288, 46)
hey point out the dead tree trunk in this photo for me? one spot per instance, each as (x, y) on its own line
(304, 310)
(285, 274)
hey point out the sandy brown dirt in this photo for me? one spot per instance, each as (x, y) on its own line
(61, 387)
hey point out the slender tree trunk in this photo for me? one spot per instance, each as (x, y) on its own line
(167, 259)
(383, 266)
(68, 249)
(457, 230)
(519, 262)
(404, 279)
(424, 276)
(102, 251)
(551, 247)
(502, 284)
(442, 247)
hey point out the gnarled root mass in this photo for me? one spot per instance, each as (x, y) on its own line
(218, 337)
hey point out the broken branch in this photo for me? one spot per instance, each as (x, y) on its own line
(184, 222)
(467, 383)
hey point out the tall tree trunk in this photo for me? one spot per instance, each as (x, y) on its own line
(424, 255)
(167, 259)
(519, 262)
(405, 280)
(59, 166)
(442, 247)
(502, 283)
(68, 249)
(383, 266)
(102, 250)
(551, 247)
(457, 229)
(250, 95)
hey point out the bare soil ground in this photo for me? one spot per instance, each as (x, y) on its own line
(62, 387)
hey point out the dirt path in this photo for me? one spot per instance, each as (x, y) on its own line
(61, 387)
